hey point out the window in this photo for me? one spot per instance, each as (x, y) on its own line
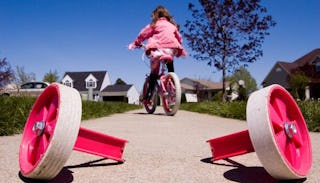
(278, 69)
(68, 83)
(91, 84)
(316, 63)
(318, 67)
(27, 86)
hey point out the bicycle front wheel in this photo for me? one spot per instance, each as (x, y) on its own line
(172, 95)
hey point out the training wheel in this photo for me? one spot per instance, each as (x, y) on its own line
(53, 130)
(50, 132)
(277, 133)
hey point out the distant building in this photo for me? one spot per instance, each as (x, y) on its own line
(95, 85)
(84, 81)
(120, 92)
(199, 89)
(308, 64)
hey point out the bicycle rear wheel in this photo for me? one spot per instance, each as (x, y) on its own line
(172, 96)
(151, 105)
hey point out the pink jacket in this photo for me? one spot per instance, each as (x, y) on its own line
(163, 35)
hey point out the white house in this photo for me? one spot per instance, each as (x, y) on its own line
(84, 82)
(95, 85)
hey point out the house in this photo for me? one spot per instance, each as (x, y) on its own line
(309, 65)
(198, 89)
(85, 81)
(96, 85)
(121, 92)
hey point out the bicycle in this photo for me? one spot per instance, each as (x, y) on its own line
(167, 88)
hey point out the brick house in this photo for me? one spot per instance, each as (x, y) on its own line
(309, 65)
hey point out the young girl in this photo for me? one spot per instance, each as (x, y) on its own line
(163, 40)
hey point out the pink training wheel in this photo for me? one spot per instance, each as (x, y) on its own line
(50, 132)
(278, 133)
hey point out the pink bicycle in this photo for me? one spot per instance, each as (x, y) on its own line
(167, 88)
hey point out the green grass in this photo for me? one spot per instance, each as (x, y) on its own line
(92, 110)
(13, 113)
(237, 110)
(15, 110)
(311, 113)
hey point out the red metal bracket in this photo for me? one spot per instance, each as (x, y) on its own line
(231, 145)
(100, 144)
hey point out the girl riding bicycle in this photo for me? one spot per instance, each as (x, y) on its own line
(163, 40)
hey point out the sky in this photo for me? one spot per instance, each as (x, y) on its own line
(92, 35)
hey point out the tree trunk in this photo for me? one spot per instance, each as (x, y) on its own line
(224, 94)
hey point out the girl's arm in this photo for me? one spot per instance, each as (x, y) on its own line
(144, 34)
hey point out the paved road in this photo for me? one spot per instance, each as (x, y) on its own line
(160, 149)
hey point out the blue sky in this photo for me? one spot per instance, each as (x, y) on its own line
(91, 35)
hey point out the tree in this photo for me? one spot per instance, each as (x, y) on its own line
(248, 84)
(6, 72)
(51, 76)
(226, 33)
(298, 83)
(119, 81)
(21, 76)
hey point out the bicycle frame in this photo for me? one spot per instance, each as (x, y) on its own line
(162, 91)
(169, 90)
(167, 87)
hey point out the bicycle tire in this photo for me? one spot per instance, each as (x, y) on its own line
(44, 150)
(150, 107)
(171, 101)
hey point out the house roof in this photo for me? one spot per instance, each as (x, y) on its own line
(116, 90)
(308, 58)
(303, 64)
(79, 79)
(304, 60)
(202, 84)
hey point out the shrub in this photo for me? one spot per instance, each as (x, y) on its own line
(92, 109)
(311, 113)
(237, 110)
(14, 112)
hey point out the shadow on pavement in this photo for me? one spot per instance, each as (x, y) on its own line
(93, 164)
(145, 113)
(65, 175)
(243, 174)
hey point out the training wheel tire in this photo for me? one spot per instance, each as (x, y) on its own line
(50, 132)
(279, 133)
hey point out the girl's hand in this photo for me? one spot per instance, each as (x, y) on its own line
(132, 46)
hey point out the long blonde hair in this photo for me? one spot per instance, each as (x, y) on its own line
(160, 12)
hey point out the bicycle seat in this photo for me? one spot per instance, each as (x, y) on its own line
(167, 58)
